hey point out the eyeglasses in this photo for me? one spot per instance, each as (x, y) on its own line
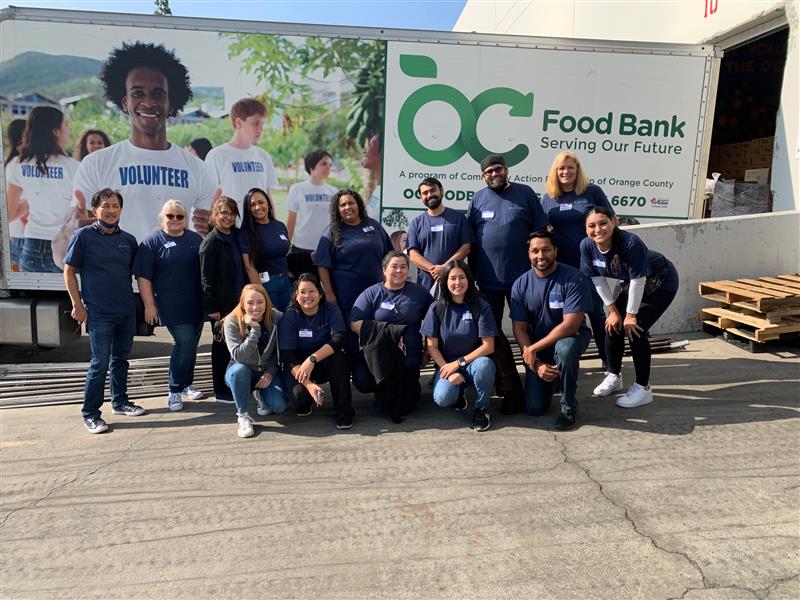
(172, 217)
(494, 170)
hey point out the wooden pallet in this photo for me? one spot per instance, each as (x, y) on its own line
(759, 310)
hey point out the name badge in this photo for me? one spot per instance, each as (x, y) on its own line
(368, 228)
(565, 206)
(170, 244)
(387, 305)
(467, 316)
(283, 237)
(555, 303)
(437, 227)
(306, 333)
(599, 262)
(264, 276)
(487, 214)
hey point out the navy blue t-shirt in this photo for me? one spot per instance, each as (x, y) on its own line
(633, 262)
(172, 264)
(567, 214)
(355, 264)
(274, 247)
(104, 261)
(542, 302)
(438, 238)
(298, 331)
(502, 222)
(458, 333)
(406, 306)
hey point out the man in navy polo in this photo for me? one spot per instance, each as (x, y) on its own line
(103, 255)
(437, 236)
(548, 304)
(502, 215)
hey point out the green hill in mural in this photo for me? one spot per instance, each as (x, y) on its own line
(51, 75)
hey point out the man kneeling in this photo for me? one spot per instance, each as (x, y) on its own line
(547, 309)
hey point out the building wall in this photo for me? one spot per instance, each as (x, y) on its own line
(673, 21)
(721, 248)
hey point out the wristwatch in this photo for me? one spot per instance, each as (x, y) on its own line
(312, 359)
(462, 362)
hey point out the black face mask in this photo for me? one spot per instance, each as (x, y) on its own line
(433, 203)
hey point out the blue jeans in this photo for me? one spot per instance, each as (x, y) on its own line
(242, 380)
(111, 340)
(539, 393)
(279, 288)
(479, 373)
(184, 354)
(37, 257)
(15, 249)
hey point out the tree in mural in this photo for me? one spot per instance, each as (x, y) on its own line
(162, 7)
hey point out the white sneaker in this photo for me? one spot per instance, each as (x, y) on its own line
(245, 426)
(192, 393)
(612, 383)
(174, 401)
(635, 396)
(262, 409)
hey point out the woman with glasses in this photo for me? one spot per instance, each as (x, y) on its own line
(222, 278)
(167, 269)
(396, 301)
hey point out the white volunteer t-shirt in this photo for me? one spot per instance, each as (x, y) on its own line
(237, 171)
(49, 196)
(146, 179)
(312, 204)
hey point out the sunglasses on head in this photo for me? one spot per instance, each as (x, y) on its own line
(494, 170)
(172, 217)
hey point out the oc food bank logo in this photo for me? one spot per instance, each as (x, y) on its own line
(469, 111)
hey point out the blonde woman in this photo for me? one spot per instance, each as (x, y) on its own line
(167, 269)
(569, 197)
(252, 339)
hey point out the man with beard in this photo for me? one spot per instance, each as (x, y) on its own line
(437, 236)
(548, 304)
(502, 215)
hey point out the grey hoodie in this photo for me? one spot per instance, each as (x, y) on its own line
(245, 349)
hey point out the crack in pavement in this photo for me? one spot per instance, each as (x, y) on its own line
(55, 488)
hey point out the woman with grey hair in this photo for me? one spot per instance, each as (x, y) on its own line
(167, 269)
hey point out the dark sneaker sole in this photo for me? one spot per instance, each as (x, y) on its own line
(344, 425)
(97, 429)
(483, 427)
(304, 414)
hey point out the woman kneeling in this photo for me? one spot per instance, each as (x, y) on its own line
(252, 339)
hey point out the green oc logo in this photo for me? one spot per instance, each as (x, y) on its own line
(468, 112)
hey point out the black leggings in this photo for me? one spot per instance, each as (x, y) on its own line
(396, 396)
(334, 370)
(220, 359)
(652, 307)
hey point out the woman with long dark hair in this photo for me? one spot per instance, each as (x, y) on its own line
(16, 228)
(90, 141)
(460, 329)
(649, 284)
(265, 243)
(397, 302)
(222, 278)
(311, 338)
(40, 178)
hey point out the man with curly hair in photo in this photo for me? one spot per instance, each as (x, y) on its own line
(149, 84)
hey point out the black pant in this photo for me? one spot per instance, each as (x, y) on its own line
(397, 395)
(652, 307)
(300, 262)
(220, 357)
(497, 300)
(334, 370)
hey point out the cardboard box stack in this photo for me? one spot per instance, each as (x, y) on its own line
(734, 160)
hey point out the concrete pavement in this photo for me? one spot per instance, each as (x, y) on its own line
(695, 496)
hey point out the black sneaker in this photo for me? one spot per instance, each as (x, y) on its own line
(565, 421)
(461, 403)
(344, 422)
(480, 420)
(304, 411)
(129, 409)
(95, 425)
